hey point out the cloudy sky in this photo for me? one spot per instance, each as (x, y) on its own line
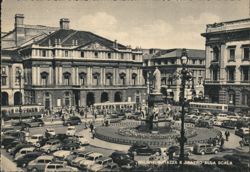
(145, 23)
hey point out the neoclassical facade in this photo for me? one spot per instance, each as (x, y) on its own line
(77, 68)
(228, 63)
(168, 62)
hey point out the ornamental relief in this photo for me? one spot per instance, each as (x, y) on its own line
(95, 46)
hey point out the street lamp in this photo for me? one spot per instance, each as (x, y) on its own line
(185, 76)
(20, 90)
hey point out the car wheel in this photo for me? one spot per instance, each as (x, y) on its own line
(216, 151)
(202, 153)
(24, 165)
(48, 151)
(157, 153)
(34, 170)
(38, 145)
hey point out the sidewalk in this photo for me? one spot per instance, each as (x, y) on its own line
(103, 144)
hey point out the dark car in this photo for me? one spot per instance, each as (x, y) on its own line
(123, 159)
(8, 147)
(111, 167)
(70, 144)
(175, 151)
(74, 120)
(245, 141)
(61, 136)
(23, 161)
(37, 122)
(229, 124)
(143, 149)
(14, 150)
(7, 141)
(204, 124)
(21, 125)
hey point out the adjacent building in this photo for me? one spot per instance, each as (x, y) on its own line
(228, 63)
(168, 62)
(67, 67)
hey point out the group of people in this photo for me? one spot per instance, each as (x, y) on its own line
(219, 140)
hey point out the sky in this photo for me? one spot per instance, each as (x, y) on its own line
(144, 23)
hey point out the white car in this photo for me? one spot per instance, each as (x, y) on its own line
(79, 157)
(61, 154)
(82, 139)
(59, 166)
(50, 132)
(23, 151)
(71, 131)
(100, 164)
(39, 163)
(90, 160)
(51, 145)
(35, 139)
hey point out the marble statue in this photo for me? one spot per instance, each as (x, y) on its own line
(157, 81)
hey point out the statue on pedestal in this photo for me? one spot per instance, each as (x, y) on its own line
(157, 81)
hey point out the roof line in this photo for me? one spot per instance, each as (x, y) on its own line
(43, 39)
(8, 33)
(67, 37)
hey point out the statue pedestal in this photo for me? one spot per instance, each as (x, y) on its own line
(155, 129)
(156, 99)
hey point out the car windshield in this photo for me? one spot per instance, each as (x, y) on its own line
(71, 129)
(34, 137)
(99, 162)
(49, 143)
(91, 158)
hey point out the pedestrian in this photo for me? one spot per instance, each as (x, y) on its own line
(91, 127)
(222, 143)
(227, 134)
(93, 134)
(241, 143)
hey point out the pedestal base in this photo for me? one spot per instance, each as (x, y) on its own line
(156, 99)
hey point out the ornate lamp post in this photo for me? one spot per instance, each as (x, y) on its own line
(20, 90)
(185, 76)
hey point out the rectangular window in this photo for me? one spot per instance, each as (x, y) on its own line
(232, 54)
(133, 57)
(82, 53)
(4, 80)
(200, 61)
(3, 70)
(246, 53)
(122, 56)
(231, 72)
(17, 77)
(245, 72)
(43, 53)
(66, 53)
(109, 55)
(193, 61)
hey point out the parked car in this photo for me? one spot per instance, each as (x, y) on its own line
(7, 141)
(59, 166)
(242, 132)
(245, 140)
(175, 151)
(70, 144)
(82, 139)
(90, 160)
(79, 156)
(229, 124)
(40, 163)
(111, 167)
(23, 152)
(205, 149)
(11, 145)
(61, 136)
(50, 133)
(51, 145)
(204, 124)
(23, 161)
(19, 146)
(61, 154)
(100, 164)
(21, 125)
(36, 140)
(143, 149)
(74, 120)
(71, 130)
(37, 122)
(123, 159)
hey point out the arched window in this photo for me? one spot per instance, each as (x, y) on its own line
(231, 97)
(67, 98)
(134, 76)
(96, 78)
(118, 97)
(109, 79)
(82, 77)
(44, 78)
(66, 78)
(90, 99)
(122, 78)
(104, 97)
(5, 99)
(18, 98)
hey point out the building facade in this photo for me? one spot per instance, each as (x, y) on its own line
(76, 68)
(168, 62)
(228, 63)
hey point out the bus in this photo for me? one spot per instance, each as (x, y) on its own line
(213, 107)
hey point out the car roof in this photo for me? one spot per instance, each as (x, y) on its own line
(37, 135)
(28, 148)
(95, 154)
(104, 158)
(45, 157)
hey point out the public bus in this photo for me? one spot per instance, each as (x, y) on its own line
(115, 105)
(213, 107)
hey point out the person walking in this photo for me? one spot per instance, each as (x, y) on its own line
(93, 134)
(91, 127)
(227, 134)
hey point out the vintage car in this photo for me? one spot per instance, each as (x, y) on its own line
(205, 149)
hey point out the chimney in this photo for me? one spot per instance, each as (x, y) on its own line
(19, 28)
(64, 23)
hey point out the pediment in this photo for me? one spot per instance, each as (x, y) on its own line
(95, 46)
